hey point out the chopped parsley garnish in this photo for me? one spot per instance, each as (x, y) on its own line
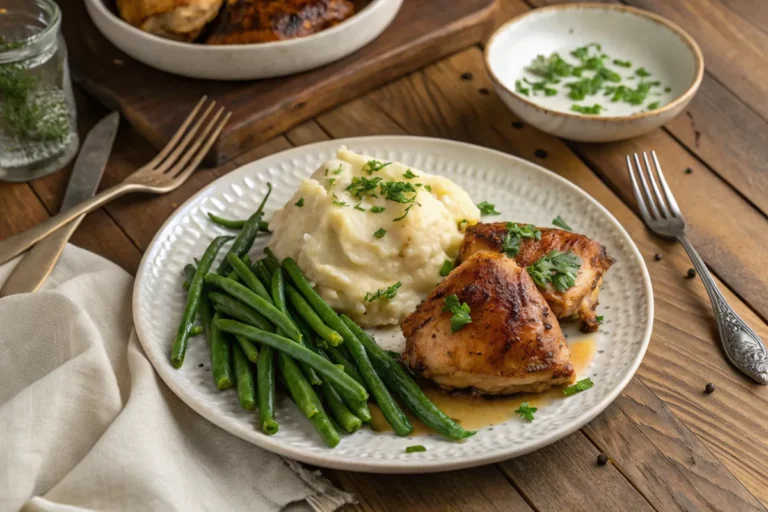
(559, 222)
(522, 90)
(586, 86)
(377, 209)
(487, 208)
(358, 207)
(653, 106)
(667, 89)
(642, 72)
(383, 293)
(581, 385)
(362, 186)
(396, 191)
(583, 54)
(371, 166)
(462, 222)
(460, 312)
(331, 181)
(446, 268)
(586, 109)
(550, 67)
(337, 202)
(415, 448)
(599, 319)
(558, 268)
(338, 170)
(526, 411)
(516, 232)
(299, 203)
(409, 175)
(380, 233)
(622, 63)
(541, 87)
(428, 188)
(405, 213)
(627, 94)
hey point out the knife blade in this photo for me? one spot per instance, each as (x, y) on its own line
(35, 266)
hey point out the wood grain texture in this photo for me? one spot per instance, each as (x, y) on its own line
(565, 476)
(436, 102)
(482, 489)
(155, 102)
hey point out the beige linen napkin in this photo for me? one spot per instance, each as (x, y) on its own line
(86, 423)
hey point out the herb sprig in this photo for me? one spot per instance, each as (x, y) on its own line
(580, 386)
(515, 233)
(558, 268)
(526, 411)
(460, 312)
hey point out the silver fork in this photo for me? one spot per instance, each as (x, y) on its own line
(662, 215)
(167, 171)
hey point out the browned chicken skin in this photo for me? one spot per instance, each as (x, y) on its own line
(259, 21)
(513, 344)
(579, 300)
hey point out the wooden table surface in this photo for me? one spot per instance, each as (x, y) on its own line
(671, 446)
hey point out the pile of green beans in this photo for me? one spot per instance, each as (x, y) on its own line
(265, 322)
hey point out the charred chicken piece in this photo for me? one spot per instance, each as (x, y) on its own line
(182, 20)
(579, 300)
(259, 21)
(513, 343)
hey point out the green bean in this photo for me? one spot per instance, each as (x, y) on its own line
(189, 275)
(343, 416)
(337, 356)
(236, 309)
(206, 316)
(305, 398)
(278, 298)
(263, 273)
(389, 407)
(249, 349)
(247, 235)
(247, 277)
(324, 367)
(262, 306)
(265, 376)
(272, 260)
(179, 348)
(406, 388)
(246, 387)
(358, 407)
(235, 224)
(196, 330)
(221, 356)
(306, 312)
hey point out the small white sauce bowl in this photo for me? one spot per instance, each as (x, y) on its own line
(246, 61)
(626, 33)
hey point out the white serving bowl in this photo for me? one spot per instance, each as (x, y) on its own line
(246, 61)
(626, 33)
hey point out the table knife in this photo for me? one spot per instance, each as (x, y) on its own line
(35, 266)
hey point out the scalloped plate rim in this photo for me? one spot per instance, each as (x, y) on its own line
(326, 459)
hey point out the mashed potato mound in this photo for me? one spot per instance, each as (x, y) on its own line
(334, 233)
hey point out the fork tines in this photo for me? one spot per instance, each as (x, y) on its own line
(660, 202)
(188, 146)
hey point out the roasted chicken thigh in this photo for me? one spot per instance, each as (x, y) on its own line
(260, 21)
(513, 343)
(579, 300)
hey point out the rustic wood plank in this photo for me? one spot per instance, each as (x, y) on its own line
(155, 102)
(565, 476)
(21, 208)
(482, 489)
(424, 101)
(634, 426)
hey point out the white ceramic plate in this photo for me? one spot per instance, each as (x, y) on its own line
(520, 190)
(643, 38)
(246, 61)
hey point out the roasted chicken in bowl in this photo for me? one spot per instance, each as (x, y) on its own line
(521, 242)
(510, 340)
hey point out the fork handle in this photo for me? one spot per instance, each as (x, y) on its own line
(741, 344)
(16, 244)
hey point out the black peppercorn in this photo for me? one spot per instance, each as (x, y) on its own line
(540, 153)
(602, 459)
(688, 170)
(709, 388)
(691, 273)
(484, 91)
(657, 257)
(467, 76)
(517, 124)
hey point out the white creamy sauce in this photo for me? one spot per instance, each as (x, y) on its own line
(334, 244)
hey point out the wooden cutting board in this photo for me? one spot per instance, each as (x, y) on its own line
(155, 103)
